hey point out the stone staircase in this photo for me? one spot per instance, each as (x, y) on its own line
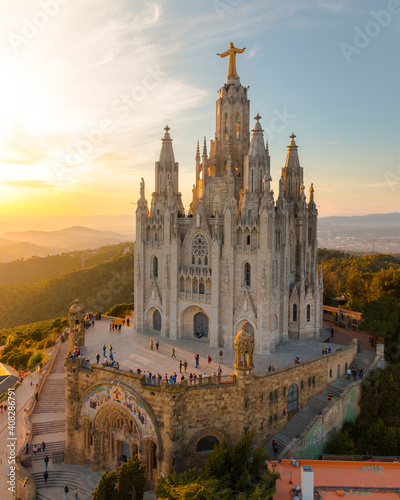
(53, 450)
(298, 424)
(52, 397)
(59, 478)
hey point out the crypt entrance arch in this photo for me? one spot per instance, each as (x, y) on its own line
(116, 425)
(194, 320)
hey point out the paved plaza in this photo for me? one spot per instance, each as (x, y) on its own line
(132, 350)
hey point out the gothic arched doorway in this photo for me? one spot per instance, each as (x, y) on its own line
(157, 320)
(201, 324)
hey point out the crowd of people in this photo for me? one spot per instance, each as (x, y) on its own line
(326, 350)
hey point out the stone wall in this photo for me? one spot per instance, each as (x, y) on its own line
(184, 413)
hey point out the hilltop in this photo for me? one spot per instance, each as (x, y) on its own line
(105, 283)
(24, 244)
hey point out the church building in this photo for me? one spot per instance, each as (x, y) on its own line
(241, 253)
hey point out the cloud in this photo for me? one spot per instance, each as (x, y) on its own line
(30, 183)
(255, 49)
(394, 182)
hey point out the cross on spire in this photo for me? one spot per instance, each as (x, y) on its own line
(257, 117)
(167, 129)
(292, 136)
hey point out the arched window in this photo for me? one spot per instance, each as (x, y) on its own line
(207, 443)
(271, 396)
(155, 267)
(237, 126)
(294, 312)
(252, 180)
(206, 260)
(248, 240)
(226, 126)
(156, 237)
(308, 313)
(193, 260)
(292, 398)
(250, 216)
(201, 287)
(216, 205)
(247, 274)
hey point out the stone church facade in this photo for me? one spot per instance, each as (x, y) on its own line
(241, 253)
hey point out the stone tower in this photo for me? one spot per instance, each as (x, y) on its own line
(241, 253)
(76, 326)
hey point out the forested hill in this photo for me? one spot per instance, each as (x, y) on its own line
(361, 279)
(98, 288)
(39, 268)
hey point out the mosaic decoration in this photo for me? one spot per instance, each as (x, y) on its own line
(116, 394)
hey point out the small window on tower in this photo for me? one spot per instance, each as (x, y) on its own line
(237, 126)
(248, 240)
(226, 126)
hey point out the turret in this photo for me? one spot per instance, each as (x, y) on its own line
(256, 161)
(292, 173)
(166, 168)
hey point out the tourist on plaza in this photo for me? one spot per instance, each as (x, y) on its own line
(98, 358)
(128, 322)
(34, 448)
(180, 366)
(219, 370)
(66, 490)
(209, 361)
(360, 373)
(157, 344)
(27, 448)
(185, 365)
(269, 367)
(76, 493)
(273, 368)
(46, 461)
(173, 353)
(151, 344)
(348, 373)
(111, 349)
(221, 354)
(104, 350)
(45, 476)
(197, 359)
(354, 372)
(329, 396)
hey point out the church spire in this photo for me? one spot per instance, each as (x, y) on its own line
(293, 173)
(256, 161)
(166, 168)
(166, 153)
(292, 157)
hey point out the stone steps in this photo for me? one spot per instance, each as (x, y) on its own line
(56, 482)
(299, 422)
(52, 448)
(40, 428)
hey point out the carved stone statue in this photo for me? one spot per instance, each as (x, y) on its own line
(231, 52)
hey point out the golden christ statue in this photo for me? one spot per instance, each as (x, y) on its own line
(231, 52)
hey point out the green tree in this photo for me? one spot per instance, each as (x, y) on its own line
(229, 473)
(105, 490)
(131, 480)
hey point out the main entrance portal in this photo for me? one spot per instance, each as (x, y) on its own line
(201, 324)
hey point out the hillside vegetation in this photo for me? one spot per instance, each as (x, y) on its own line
(98, 287)
(25, 343)
(39, 268)
(361, 279)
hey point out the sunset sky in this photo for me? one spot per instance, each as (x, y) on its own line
(87, 88)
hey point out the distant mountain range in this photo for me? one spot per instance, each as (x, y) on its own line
(42, 236)
(17, 244)
(374, 232)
